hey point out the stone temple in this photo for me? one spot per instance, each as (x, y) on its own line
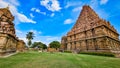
(9, 43)
(92, 34)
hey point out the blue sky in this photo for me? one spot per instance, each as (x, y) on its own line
(51, 19)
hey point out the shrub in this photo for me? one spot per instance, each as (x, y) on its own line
(99, 54)
(67, 51)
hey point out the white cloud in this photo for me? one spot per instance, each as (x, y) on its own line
(38, 11)
(103, 2)
(47, 39)
(68, 21)
(24, 39)
(31, 15)
(77, 9)
(18, 31)
(73, 3)
(40, 32)
(44, 13)
(52, 14)
(33, 9)
(21, 35)
(13, 8)
(52, 5)
(23, 18)
(13, 2)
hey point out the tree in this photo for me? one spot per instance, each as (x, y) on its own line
(55, 44)
(29, 37)
(35, 44)
(44, 46)
(39, 45)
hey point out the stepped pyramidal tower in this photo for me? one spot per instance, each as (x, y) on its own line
(9, 43)
(91, 33)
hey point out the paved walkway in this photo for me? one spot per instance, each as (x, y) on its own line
(8, 55)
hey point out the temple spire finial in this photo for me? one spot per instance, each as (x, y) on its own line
(7, 7)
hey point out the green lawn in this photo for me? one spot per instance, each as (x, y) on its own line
(58, 60)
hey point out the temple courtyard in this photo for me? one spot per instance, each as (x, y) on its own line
(36, 59)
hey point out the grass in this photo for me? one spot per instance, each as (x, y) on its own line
(58, 60)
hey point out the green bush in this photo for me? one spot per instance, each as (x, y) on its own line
(99, 54)
(67, 51)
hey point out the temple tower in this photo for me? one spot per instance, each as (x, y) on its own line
(92, 34)
(8, 39)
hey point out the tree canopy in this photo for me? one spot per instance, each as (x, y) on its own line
(39, 45)
(55, 44)
(29, 37)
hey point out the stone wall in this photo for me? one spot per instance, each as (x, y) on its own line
(20, 46)
(52, 49)
(8, 44)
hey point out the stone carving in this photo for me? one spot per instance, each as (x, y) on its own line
(91, 33)
(8, 41)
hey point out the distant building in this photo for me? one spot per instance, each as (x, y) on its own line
(8, 41)
(92, 34)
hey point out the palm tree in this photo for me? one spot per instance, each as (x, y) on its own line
(29, 37)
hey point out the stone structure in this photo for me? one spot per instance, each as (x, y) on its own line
(20, 46)
(64, 43)
(52, 49)
(91, 33)
(8, 40)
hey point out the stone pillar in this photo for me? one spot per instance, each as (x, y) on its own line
(86, 44)
(73, 46)
(78, 45)
(69, 46)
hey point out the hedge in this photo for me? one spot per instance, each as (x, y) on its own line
(99, 54)
(67, 51)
